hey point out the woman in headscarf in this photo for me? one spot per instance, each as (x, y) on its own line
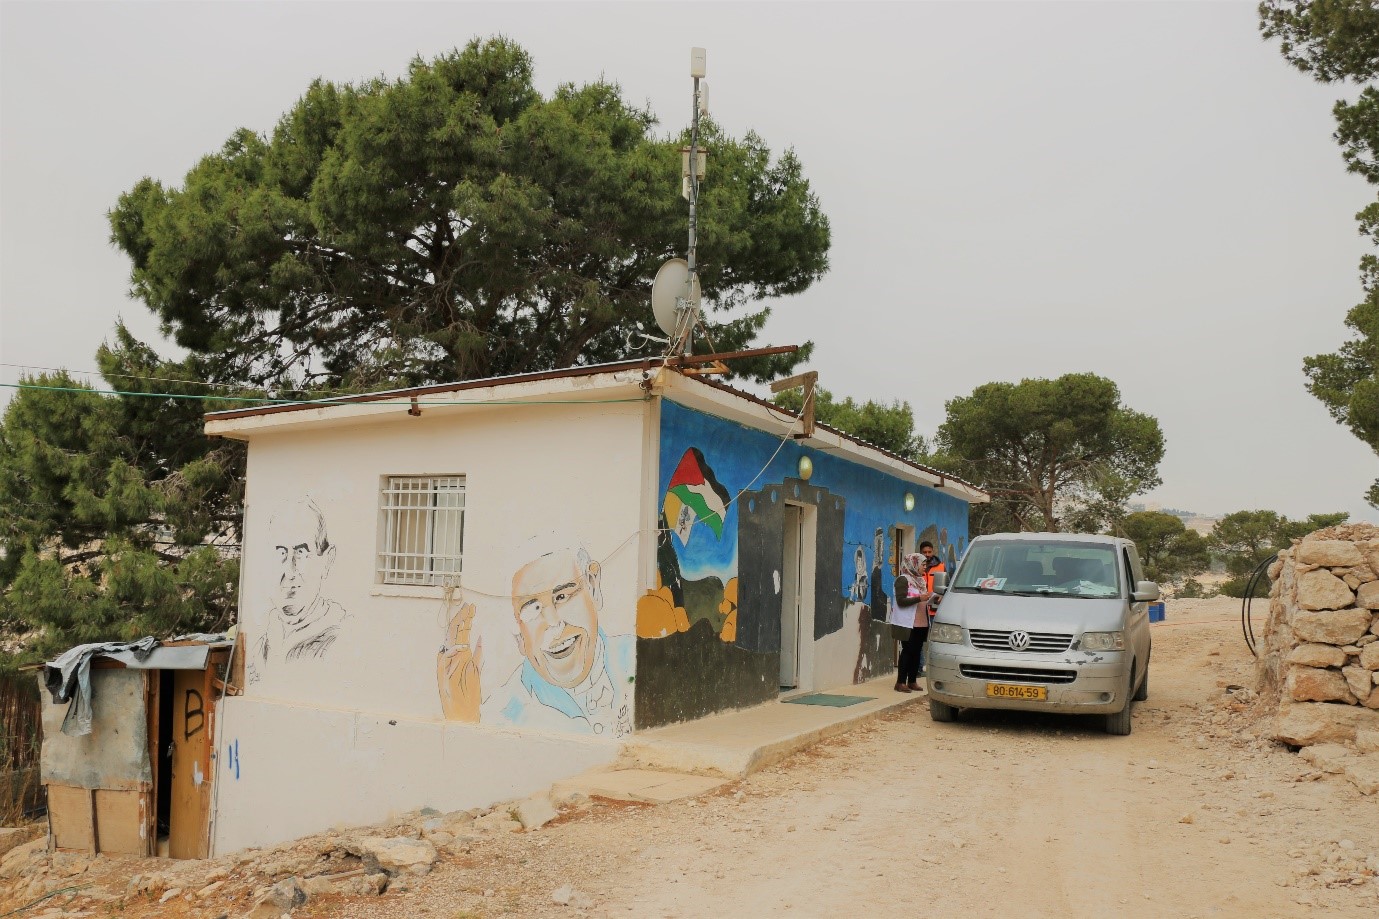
(911, 590)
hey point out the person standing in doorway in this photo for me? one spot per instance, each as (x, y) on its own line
(912, 592)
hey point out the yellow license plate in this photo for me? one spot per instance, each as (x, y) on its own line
(1006, 691)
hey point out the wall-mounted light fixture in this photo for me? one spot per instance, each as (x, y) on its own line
(909, 501)
(806, 468)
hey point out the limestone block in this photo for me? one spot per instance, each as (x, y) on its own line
(1363, 772)
(1360, 682)
(1374, 626)
(394, 853)
(1317, 655)
(1350, 580)
(1368, 595)
(13, 836)
(1331, 553)
(1363, 573)
(1321, 589)
(537, 811)
(1369, 656)
(1327, 757)
(1370, 551)
(21, 857)
(1338, 627)
(1313, 684)
(1305, 723)
(1367, 740)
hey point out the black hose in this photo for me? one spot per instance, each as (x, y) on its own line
(1247, 602)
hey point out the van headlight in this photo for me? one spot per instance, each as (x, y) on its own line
(1103, 641)
(947, 633)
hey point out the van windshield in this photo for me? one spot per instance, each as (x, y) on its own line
(1027, 567)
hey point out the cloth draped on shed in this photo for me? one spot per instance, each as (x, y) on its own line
(69, 677)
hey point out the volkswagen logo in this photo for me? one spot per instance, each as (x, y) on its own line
(1019, 640)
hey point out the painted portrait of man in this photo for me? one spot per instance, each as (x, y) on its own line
(571, 675)
(302, 624)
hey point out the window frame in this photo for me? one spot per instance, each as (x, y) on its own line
(423, 557)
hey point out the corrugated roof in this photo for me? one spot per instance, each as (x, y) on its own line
(565, 373)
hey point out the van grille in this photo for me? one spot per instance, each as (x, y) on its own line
(999, 640)
(1017, 674)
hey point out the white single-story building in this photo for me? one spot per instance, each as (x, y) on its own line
(454, 595)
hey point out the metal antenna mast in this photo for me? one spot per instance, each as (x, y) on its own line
(693, 163)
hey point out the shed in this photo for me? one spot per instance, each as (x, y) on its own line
(139, 780)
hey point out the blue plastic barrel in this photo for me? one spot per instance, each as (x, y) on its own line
(1156, 612)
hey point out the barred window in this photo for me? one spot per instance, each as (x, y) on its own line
(422, 521)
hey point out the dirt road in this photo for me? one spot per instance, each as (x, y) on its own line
(999, 814)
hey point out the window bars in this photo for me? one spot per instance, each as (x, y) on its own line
(423, 529)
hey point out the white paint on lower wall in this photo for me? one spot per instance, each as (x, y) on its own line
(836, 655)
(286, 771)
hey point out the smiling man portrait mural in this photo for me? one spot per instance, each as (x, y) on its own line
(572, 674)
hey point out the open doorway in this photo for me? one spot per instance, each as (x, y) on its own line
(163, 771)
(797, 599)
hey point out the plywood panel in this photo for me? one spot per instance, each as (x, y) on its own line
(191, 764)
(122, 822)
(70, 817)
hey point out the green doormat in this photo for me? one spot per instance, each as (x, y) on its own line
(823, 698)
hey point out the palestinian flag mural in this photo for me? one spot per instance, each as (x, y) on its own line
(694, 494)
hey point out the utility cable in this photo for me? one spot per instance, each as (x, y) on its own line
(317, 403)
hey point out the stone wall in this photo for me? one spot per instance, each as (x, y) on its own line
(1319, 654)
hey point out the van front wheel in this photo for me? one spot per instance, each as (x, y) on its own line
(1119, 722)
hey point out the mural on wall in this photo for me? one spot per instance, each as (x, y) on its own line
(303, 624)
(880, 600)
(572, 674)
(709, 634)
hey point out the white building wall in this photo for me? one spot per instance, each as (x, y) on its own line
(359, 730)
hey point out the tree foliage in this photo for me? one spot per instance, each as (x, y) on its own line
(1170, 551)
(455, 224)
(1338, 41)
(118, 517)
(1246, 539)
(1051, 451)
(888, 426)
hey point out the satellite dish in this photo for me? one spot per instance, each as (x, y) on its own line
(668, 289)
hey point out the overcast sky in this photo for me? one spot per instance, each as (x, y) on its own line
(1141, 190)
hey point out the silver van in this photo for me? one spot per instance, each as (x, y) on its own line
(1055, 622)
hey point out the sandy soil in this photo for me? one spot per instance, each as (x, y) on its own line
(1191, 815)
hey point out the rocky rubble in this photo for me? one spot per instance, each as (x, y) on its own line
(1319, 654)
(257, 884)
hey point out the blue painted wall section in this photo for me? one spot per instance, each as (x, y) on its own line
(708, 638)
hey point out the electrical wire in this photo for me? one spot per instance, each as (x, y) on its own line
(318, 403)
(28, 906)
(125, 376)
(1247, 626)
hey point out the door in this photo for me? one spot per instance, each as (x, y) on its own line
(790, 600)
(189, 812)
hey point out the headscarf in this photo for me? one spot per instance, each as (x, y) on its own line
(912, 569)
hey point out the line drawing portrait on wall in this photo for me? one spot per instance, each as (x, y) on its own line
(859, 593)
(572, 674)
(303, 624)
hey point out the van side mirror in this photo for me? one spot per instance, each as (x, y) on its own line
(1145, 592)
(940, 582)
